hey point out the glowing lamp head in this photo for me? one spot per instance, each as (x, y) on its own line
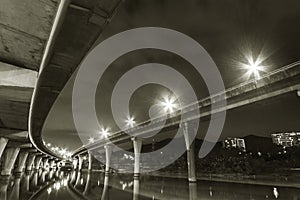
(104, 132)
(254, 68)
(169, 104)
(91, 140)
(130, 122)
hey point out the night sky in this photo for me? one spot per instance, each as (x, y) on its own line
(229, 30)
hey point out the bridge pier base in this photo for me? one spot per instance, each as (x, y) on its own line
(190, 150)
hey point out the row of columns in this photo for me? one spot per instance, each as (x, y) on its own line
(19, 160)
(137, 146)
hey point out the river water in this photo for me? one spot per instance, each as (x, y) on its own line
(97, 185)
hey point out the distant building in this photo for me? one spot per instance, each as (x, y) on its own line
(286, 139)
(234, 143)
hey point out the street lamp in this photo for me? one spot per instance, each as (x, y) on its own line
(253, 67)
(104, 132)
(169, 104)
(91, 140)
(130, 122)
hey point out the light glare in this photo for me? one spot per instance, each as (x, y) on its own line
(130, 122)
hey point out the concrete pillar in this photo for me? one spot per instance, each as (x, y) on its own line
(190, 147)
(90, 161)
(137, 147)
(15, 193)
(105, 187)
(45, 163)
(80, 161)
(42, 179)
(57, 171)
(73, 177)
(87, 187)
(26, 182)
(3, 189)
(3, 143)
(22, 161)
(10, 157)
(77, 182)
(75, 163)
(108, 152)
(193, 191)
(37, 162)
(30, 162)
(34, 179)
(136, 188)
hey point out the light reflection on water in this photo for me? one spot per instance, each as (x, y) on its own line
(115, 186)
(97, 185)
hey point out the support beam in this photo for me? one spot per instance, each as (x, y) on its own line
(190, 150)
(108, 152)
(137, 147)
(10, 157)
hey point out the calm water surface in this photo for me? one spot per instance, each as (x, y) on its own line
(99, 186)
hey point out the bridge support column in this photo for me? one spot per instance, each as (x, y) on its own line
(108, 152)
(21, 162)
(105, 187)
(80, 162)
(30, 162)
(75, 163)
(36, 172)
(78, 179)
(136, 188)
(10, 158)
(137, 147)
(190, 150)
(15, 193)
(87, 187)
(34, 179)
(57, 165)
(192, 191)
(51, 169)
(90, 157)
(3, 143)
(26, 181)
(3, 188)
